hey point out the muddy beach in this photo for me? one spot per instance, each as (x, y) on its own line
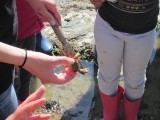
(79, 99)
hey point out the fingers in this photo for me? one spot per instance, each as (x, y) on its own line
(65, 61)
(55, 12)
(44, 15)
(68, 74)
(64, 77)
(29, 107)
(36, 95)
(40, 117)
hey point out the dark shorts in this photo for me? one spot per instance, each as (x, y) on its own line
(8, 34)
(22, 80)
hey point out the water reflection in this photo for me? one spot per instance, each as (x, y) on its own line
(77, 97)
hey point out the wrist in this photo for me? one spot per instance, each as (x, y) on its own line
(25, 59)
(30, 59)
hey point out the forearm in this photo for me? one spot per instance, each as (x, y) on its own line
(11, 55)
(39, 64)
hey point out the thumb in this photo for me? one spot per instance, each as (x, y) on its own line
(29, 107)
(63, 60)
(36, 95)
(40, 117)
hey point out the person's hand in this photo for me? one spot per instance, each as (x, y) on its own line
(39, 64)
(31, 103)
(97, 3)
(42, 66)
(43, 8)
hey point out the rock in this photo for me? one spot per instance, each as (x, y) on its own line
(77, 22)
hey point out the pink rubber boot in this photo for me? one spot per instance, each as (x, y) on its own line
(111, 105)
(130, 109)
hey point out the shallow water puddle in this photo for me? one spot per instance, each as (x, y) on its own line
(75, 97)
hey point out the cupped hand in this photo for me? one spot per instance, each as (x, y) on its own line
(46, 65)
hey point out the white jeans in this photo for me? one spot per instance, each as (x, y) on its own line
(116, 48)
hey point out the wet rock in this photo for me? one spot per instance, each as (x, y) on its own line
(150, 106)
(50, 107)
(77, 22)
(71, 116)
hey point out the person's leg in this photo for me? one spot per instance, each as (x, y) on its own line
(22, 83)
(43, 44)
(25, 76)
(24, 91)
(8, 102)
(110, 52)
(138, 49)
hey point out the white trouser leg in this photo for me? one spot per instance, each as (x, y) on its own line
(109, 51)
(137, 52)
(112, 47)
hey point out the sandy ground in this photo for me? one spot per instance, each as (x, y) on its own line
(80, 97)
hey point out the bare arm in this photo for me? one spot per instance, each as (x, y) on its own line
(11, 55)
(39, 64)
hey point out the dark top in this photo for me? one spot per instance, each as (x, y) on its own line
(8, 33)
(131, 16)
